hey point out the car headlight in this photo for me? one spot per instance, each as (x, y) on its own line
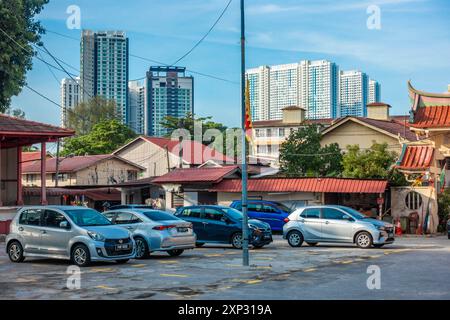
(96, 236)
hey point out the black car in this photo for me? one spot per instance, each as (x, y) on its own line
(218, 224)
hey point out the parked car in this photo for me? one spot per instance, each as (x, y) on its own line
(130, 206)
(271, 212)
(154, 230)
(218, 224)
(448, 228)
(314, 224)
(67, 232)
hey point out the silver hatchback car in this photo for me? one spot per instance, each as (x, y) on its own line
(67, 232)
(154, 230)
(314, 224)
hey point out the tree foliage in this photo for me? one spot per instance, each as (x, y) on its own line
(105, 137)
(373, 163)
(84, 116)
(301, 154)
(172, 123)
(16, 50)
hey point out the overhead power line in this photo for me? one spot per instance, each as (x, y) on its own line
(206, 34)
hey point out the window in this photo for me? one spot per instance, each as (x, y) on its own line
(31, 217)
(213, 214)
(192, 212)
(52, 219)
(268, 209)
(110, 216)
(126, 218)
(413, 200)
(333, 214)
(131, 175)
(313, 213)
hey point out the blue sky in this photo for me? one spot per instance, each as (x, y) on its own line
(413, 43)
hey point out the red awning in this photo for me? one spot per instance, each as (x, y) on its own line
(416, 158)
(327, 185)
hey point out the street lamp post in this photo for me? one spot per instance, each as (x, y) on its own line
(245, 233)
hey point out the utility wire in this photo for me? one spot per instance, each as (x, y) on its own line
(206, 34)
(153, 61)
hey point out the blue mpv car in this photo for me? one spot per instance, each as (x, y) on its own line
(271, 212)
(217, 224)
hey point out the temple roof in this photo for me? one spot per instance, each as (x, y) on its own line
(427, 99)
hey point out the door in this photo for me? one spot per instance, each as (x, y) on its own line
(194, 216)
(337, 225)
(30, 229)
(54, 239)
(216, 227)
(311, 224)
(272, 216)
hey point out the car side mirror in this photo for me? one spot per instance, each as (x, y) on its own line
(64, 225)
(225, 219)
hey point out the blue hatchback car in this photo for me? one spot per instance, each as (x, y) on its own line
(271, 212)
(218, 224)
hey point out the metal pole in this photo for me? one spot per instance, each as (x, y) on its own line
(57, 164)
(245, 233)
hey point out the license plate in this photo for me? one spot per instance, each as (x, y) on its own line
(390, 235)
(182, 229)
(122, 247)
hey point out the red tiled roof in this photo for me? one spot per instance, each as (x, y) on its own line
(194, 152)
(16, 125)
(71, 164)
(392, 126)
(416, 158)
(378, 104)
(30, 156)
(432, 117)
(328, 185)
(196, 175)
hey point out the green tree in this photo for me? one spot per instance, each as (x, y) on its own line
(16, 112)
(105, 137)
(84, 116)
(443, 209)
(187, 122)
(19, 31)
(302, 155)
(373, 163)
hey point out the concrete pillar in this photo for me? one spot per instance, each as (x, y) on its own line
(43, 174)
(19, 195)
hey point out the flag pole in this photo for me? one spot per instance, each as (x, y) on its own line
(245, 233)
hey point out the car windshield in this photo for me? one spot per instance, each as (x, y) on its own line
(87, 217)
(159, 215)
(283, 207)
(233, 213)
(354, 213)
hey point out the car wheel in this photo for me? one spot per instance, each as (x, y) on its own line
(122, 261)
(141, 248)
(236, 240)
(295, 238)
(448, 235)
(81, 255)
(15, 252)
(199, 244)
(312, 244)
(378, 245)
(175, 252)
(363, 240)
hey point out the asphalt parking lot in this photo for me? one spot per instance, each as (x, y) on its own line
(410, 268)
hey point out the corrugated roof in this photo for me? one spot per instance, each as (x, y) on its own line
(16, 125)
(327, 185)
(70, 164)
(31, 156)
(196, 175)
(432, 117)
(194, 152)
(416, 158)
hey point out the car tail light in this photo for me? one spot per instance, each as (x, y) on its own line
(161, 228)
(286, 220)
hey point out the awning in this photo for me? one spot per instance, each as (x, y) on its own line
(416, 158)
(327, 185)
(103, 194)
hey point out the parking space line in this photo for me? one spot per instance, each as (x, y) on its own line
(214, 255)
(102, 270)
(233, 265)
(138, 265)
(105, 287)
(174, 275)
(252, 281)
(309, 270)
(168, 261)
